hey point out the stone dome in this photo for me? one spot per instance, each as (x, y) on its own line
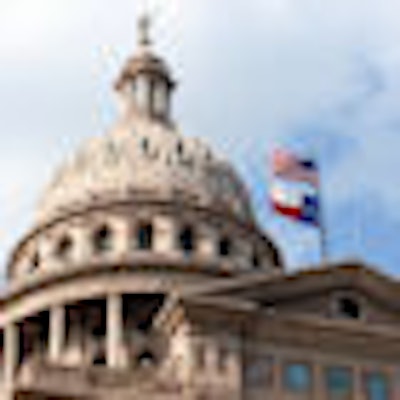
(144, 153)
(143, 196)
(142, 156)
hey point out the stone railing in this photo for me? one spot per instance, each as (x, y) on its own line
(45, 378)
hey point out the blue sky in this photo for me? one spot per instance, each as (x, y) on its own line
(320, 77)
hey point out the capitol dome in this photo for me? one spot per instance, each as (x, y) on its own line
(144, 186)
(138, 157)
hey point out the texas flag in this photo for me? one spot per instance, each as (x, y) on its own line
(294, 191)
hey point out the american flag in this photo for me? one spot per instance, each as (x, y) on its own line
(289, 166)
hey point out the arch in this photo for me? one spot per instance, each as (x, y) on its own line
(102, 239)
(225, 246)
(145, 236)
(64, 247)
(187, 239)
(35, 263)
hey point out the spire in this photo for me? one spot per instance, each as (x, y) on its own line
(144, 24)
(145, 84)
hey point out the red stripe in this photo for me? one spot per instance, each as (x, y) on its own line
(288, 211)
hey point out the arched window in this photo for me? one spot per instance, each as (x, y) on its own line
(225, 247)
(145, 145)
(102, 239)
(179, 149)
(35, 261)
(255, 260)
(186, 240)
(64, 247)
(145, 236)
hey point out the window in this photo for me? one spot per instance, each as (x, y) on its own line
(179, 148)
(225, 246)
(222, 358)
(186, 240)
(258, 371)
(339, 382)
(35, 262)
(145, 236)
(297, 377)
(145, 145)
(255, 260)
(102, 239)
(64, 247)
(348, 308)
(376, 386)
(200, 356)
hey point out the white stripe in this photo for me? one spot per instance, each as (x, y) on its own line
(286, 197)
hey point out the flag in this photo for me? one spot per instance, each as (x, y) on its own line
(296, 203)
(288, 166)
(294, 192)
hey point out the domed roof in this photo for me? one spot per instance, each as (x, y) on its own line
(144, 153)
(143, 156)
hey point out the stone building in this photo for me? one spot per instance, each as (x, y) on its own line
(146, 276)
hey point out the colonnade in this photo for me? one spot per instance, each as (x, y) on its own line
(57, 338)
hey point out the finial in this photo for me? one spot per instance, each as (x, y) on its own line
(144, 30)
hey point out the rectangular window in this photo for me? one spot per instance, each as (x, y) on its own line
(339, 383)
(297, 377)
(376, 386)
(258, 371)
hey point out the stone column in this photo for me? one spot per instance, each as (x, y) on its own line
(114, 330)
(11, 350)
(318, 381)
(123, 238)
(56, 332)
(277, 379)
(164, 235)
(82, 244)
(358, 384)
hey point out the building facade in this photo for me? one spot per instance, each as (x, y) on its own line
(146, 276)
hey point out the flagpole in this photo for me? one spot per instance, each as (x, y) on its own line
(323, 243)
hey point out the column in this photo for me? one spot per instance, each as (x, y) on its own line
(164, 234)
(114, 330)
(358, 384)
(11, 350)
(318, 381)
(277, 378)
(123, 238)
(56, 332)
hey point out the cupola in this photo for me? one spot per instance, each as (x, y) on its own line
(145, 84)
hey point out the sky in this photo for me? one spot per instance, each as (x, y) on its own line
(321, 78)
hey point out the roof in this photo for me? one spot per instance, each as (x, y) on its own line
(282, 286)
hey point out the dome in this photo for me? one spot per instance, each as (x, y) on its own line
(144, 197)
(142, 157)
(144, 154)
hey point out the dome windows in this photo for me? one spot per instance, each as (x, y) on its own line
(255, 260)
(145, 145)
(179, 149)
(186, 240)
(145, 236)
(225, 247)
(64, 247)
(35, 262)
(102, 239)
